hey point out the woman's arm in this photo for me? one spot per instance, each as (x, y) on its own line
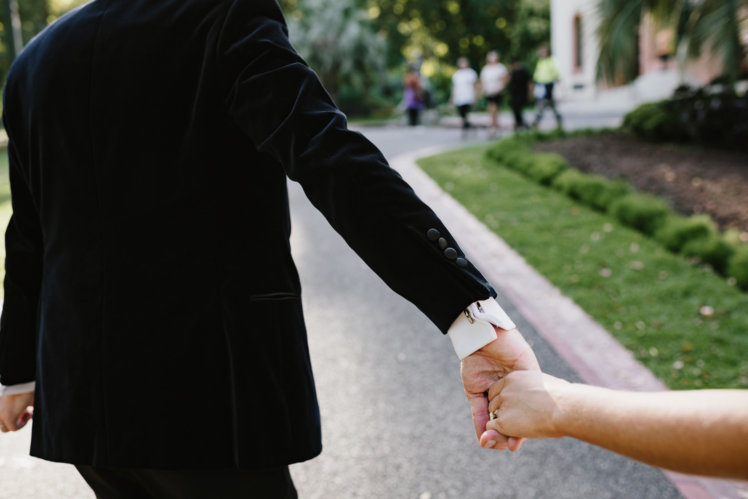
(702, 432)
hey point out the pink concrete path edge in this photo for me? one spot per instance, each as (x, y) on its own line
(586, 346)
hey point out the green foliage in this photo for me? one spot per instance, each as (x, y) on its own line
(738, 267)
(509, 150)
(515, 153)
(445, 30)
(648, 298)
(696, 237)
(531, 27)
(339, 42)
(641, 211)
(713, 250)
(654, 121)
(545, 167)
(678, 231)
(713, 27)
(594, 190)
(706, 115)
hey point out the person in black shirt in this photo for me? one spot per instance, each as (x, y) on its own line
(519, 82)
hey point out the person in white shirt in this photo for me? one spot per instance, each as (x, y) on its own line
(493, 78)
(463, 90)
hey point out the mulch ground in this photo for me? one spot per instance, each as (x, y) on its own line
(693, 179)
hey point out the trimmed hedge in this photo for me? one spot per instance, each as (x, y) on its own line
(515, 154)
(594, 190)
(677, 231)
(544, 167)
(643, 212)
(713, 115)
(655, 121)
(695, 237)
(738, 268)
(713, 250)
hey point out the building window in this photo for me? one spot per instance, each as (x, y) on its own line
(578, 34)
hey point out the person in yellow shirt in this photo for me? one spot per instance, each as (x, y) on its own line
(545, 77)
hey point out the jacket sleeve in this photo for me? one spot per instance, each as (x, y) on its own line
(23, 265)
(280, 104)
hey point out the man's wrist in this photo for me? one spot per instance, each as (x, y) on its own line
(475, 327)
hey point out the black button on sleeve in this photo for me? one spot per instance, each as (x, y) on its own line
(442, 243)
(461, 262)
(433, 234)
(450, 253)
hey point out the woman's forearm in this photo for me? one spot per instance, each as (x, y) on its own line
(702, 432)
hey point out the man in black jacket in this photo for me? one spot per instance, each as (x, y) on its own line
(148, 262)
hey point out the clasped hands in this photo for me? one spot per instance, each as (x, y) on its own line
(491, 375)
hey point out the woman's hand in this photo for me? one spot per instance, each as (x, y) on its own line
(526, 405)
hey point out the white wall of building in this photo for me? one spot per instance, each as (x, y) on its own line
(577, 80)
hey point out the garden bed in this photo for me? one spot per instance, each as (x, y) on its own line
(692, 179)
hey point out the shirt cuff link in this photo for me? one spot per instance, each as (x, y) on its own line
(474, 328)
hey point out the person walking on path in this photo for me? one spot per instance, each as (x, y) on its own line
(149, 283)
(546, 76)
(493, 78)
(413, 97)
(519, 88)
(463, 90)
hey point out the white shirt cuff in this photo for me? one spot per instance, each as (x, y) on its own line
(474, 328)
(20, 388)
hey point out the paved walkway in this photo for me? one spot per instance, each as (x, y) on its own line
(574, 336)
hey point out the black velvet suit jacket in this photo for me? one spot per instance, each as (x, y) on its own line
(149, 285)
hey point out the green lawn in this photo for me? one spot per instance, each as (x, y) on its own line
(685, 323)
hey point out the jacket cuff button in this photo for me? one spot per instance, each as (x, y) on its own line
(450, 253)
(461, 262)
(433, 234)
(442, 243)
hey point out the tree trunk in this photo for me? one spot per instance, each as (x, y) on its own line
(13, 28)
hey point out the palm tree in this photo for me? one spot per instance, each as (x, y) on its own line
(714, 26)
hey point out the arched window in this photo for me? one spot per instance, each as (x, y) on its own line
(578, 34)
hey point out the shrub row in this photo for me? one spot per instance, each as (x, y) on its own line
(711, 115)
(695, 237)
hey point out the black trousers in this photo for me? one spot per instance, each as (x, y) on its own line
(519, 119)
(142, 483)
(463, 110)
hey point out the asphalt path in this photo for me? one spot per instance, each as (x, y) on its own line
(395, 420)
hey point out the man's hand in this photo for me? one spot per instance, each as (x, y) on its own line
(15, 411)
(509, 352)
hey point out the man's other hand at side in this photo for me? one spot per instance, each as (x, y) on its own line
(15, 411)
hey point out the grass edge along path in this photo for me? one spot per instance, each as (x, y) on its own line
(683, 322)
